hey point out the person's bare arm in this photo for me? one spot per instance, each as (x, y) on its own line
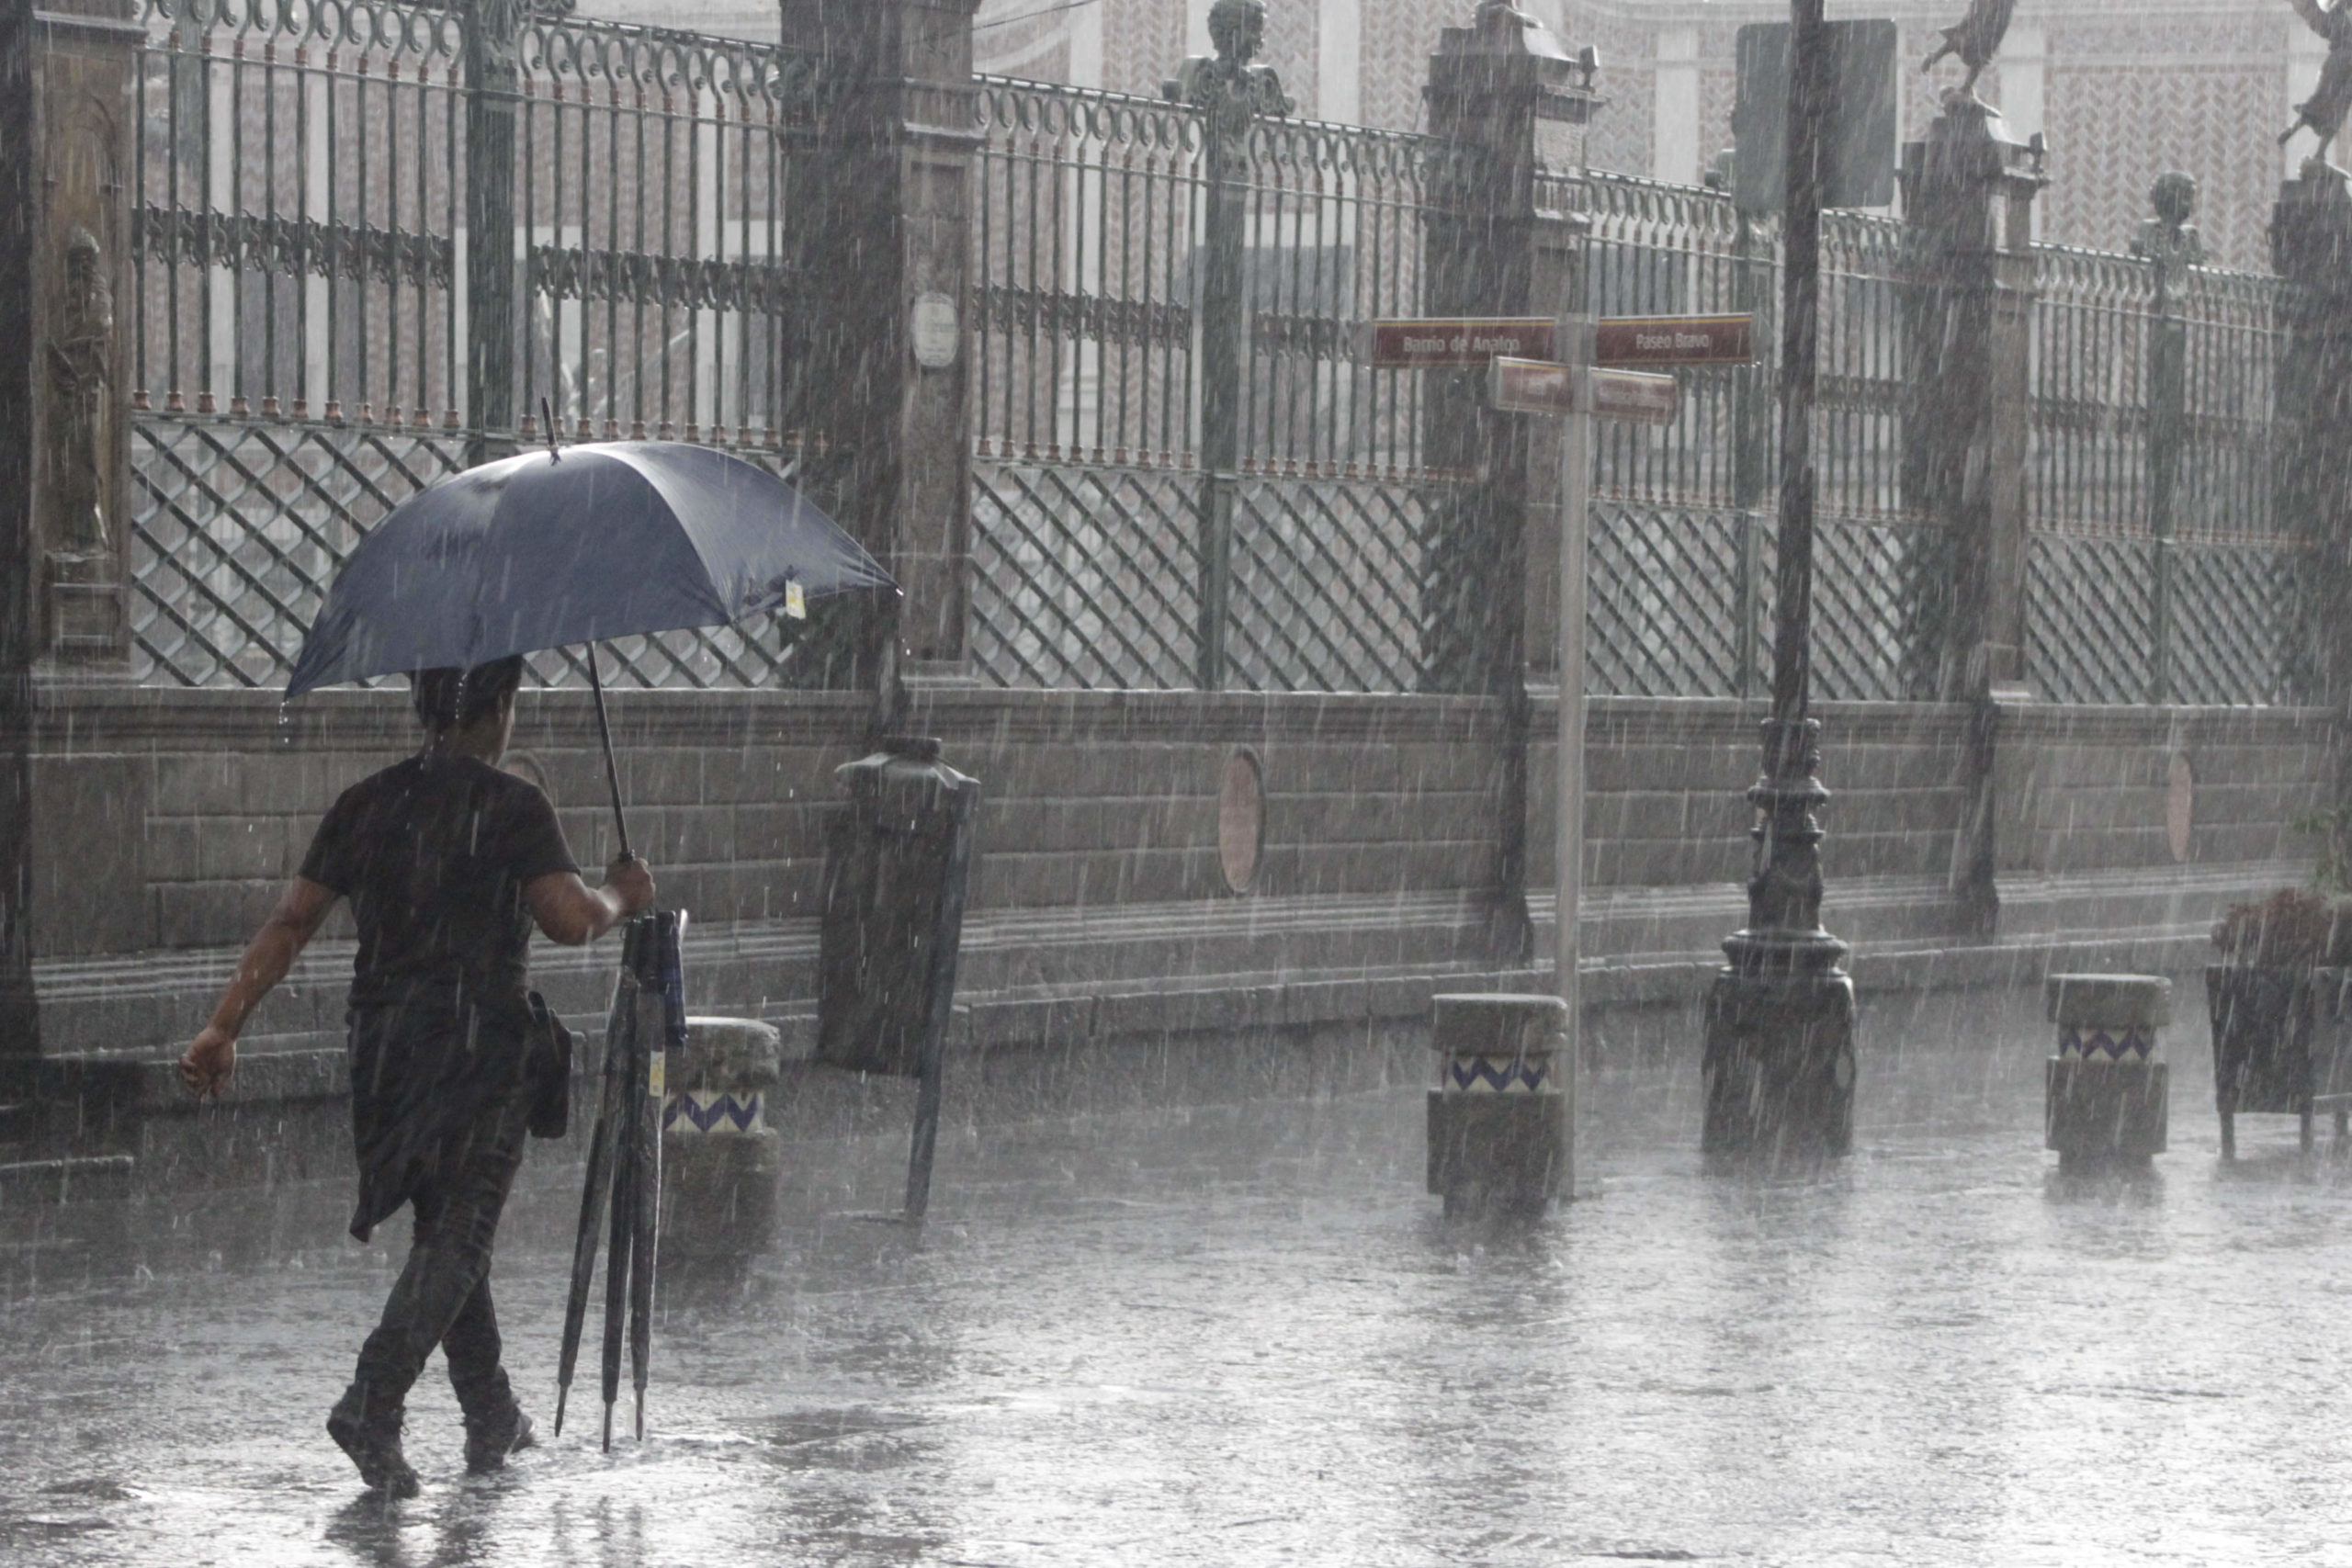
(300, 909)
(571, 912)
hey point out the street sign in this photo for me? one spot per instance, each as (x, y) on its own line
(1465, 344)
(1532, 386)
(1626, 341)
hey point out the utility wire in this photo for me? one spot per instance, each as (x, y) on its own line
(1029, 16)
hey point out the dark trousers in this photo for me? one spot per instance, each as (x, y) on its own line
(443, 1294)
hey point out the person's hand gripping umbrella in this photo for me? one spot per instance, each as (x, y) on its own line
(544, 550)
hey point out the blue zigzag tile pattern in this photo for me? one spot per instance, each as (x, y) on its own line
(1498, 1075)
(692, 1111)
(2096, 1045)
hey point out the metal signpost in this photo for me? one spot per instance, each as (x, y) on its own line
(1576, 369)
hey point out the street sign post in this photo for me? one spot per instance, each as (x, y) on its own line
(1536, 386)
(1617, 341)
(1466, 344)
(1629, 341)
(1575, 369)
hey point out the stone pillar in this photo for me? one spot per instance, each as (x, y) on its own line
(81, 70)
(2107, 1087)
(881, 201)
(1501, 1121)
(1505, 238)
(719, 1155)
(66, 75)
(20, 609)
(1969, 191)
(2311, 246)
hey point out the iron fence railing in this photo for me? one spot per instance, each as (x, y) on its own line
(1112, 544)
(303, 356)
(300, 331)
(653, 185)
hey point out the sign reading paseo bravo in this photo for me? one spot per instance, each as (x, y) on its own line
(1471, 344)
(1674, 340)
(1526, 386)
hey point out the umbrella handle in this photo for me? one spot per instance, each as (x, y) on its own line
(604, 732)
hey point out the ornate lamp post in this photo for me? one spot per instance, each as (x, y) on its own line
(1779, 1067)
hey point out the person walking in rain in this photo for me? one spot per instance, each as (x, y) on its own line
(447, 862)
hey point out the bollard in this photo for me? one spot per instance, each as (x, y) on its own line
(1500, 1122)
(719, 1156)
(2106, 1087)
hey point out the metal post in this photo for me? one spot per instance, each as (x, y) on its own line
(492, 81)
(1576, 509)
(1224, 306)
(2167, 421)
(1779, 1066)
(1751, 467)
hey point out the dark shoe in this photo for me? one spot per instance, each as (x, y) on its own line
(372, 1440)
(489, 1442)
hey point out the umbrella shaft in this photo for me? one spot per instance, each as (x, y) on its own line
(604, 733)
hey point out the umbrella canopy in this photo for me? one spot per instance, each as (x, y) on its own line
(544, 549)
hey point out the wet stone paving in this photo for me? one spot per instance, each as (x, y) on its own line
(1139, 1331)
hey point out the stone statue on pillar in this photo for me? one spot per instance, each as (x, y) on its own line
(2169, 239)
(2323, 110)
(81, 367)
(1238, 30)
(1974, 39)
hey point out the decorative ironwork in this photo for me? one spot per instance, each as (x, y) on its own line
(239, 526)
(1083, 576)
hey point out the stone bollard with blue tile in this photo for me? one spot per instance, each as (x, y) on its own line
(1501, 1120)
(2107, 1086)
(719, 1155)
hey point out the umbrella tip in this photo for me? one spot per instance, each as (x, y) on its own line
(546, 417)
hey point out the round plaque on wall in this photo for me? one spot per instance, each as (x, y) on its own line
(2180, 806)
(1241, 820)
(934, 331)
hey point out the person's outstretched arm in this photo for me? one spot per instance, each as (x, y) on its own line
(571, 912)
(300, 909)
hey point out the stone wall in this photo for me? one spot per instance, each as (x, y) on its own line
(168, 819)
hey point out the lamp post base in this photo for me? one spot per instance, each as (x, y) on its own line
(1779, 1069)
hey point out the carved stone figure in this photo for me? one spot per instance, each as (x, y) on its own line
(2169, 239)
(1974, 39)
(81, 367)
(2323, 110)
(1238, 29)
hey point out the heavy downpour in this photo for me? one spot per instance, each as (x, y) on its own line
(1005, 783)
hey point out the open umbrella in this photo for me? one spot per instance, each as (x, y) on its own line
(549, 548)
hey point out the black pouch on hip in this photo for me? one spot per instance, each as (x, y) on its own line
(551, 1072)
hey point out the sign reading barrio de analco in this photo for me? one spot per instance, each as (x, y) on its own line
(1534, 385)
(1674, 340)
(1459, 344)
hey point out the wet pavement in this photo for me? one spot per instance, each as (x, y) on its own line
(1241, 1333)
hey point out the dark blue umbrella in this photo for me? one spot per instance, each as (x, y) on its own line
(549, 548)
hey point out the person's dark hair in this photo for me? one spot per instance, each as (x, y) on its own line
(451, 698)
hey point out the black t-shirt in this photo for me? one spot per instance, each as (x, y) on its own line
(433, 853)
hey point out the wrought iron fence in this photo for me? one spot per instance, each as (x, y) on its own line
(300, 326)
(1105, 553)
(300, 237)
(1682, 531)
(654, 173)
